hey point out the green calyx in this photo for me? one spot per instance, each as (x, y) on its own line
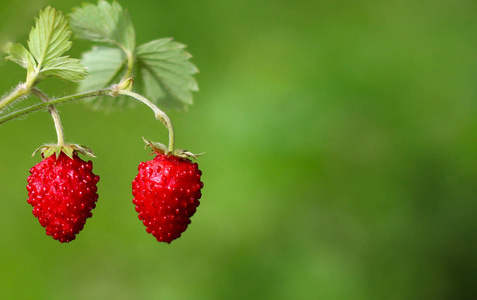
(70, 149)
(162, 149)
(124, 85)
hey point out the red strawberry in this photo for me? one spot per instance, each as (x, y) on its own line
(62, 192)
(166, 193)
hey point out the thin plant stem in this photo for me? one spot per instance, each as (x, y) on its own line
(57, 101)
(20, 91)
(54, 115)
(130, 65)
(160, 115)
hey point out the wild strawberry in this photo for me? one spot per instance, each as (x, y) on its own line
(62, 191)
(166, 193)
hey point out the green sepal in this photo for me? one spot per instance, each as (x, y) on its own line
(125, 85)
(69, 150)
(157, 147)
(162, 149)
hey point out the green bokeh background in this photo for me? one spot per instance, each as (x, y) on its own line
(341, 158)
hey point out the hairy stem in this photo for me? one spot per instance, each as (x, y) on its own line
(160, 115)
(65, 99)
(20, 91)
(54, 115)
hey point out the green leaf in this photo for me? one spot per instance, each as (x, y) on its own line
(104, 22)
(19, 54)
(106, 66)
(167, 73)
(65, 68)
(49, 39)
(163, 74)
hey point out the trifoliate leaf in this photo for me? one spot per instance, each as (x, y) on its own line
(167, 73)
(66, 68)
(19, 54)
(104, 22)
(163, 74)
(49, 39)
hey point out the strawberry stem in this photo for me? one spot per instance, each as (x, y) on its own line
(160, 115)
(130, 64)
(23, 89)
(54, 115)
(40, 106)
(20, 91)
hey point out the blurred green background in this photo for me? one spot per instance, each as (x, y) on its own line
(341, 158)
